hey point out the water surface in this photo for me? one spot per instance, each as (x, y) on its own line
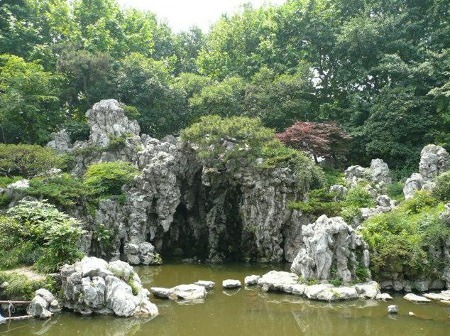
(245, 312)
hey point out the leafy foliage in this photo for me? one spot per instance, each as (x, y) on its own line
(27, 160)
(63, 190)
(402, 241)
(108, 178)
(37, 233)
(326, 140)
(21, 287)
(244, 143)
(29, 103)
(441, 189)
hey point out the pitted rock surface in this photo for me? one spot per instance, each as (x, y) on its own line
(330, 244)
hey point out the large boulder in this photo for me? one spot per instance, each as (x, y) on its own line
(43, 305)
(93, 285)
(434, 160)
(107, 120)
(331, 249)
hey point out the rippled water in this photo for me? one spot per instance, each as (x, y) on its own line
(246, 312)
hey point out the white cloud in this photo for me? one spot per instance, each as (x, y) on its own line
(183, 14)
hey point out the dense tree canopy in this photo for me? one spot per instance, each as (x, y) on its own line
(378, 68)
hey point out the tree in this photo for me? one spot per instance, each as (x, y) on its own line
(29, 104)
(327, 140)
(241, 143)
(280, 100)
(224, 98)
(146, 84)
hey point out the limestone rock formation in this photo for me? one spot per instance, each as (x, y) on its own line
(378, 175)
(178, 206)
(43, 305)
(93, 285)
(331, 249)
(107, 120)
(434, 160)
(61, 142)
(190, 292)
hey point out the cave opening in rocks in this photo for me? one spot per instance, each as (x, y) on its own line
(185, 239)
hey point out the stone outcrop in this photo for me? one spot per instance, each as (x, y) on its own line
(190, 292)
(43, 305)
(416, 298)
(61, 142)
(107, 120)
(331, 249)
(94, 286)
(178, 206)
(434, 160)
(231, 284)
(378, 175)
(285, 282)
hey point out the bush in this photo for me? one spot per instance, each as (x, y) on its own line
(400, 241)
(441, 189)
(21, 287)
(37, 233)
(242, 142)
(108, 178)
(27, 160)
(63, 190)
(320, 202)
(359, 197)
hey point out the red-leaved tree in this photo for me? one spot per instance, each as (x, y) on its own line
(327, 139)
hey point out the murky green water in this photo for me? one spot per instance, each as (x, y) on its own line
(245, 312)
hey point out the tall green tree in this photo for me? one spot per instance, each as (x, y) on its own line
(29, 105)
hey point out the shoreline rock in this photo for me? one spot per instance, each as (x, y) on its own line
(94, 286)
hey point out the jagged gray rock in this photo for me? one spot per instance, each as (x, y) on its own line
(378, 175)
(329, 245)
(180, 206)
(61, 142)
(43, 305)
(93, 285)
(434, 160)
(106, 120)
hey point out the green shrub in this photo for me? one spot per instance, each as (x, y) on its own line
(442, 187)
(78, 130)
(395, 191)
(64, 190)
(108, 178)
(359, 197)
(421, 201)
(400, 241)
(320, 202)
(238, 143)
(27, 160)
(37, 233)
(21, 287)
(5, 180)
(117, 143)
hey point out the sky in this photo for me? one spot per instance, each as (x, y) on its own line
(183, 14)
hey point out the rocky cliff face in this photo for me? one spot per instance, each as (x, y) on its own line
(179, 207)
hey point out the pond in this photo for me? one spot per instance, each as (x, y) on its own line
(245, 312)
